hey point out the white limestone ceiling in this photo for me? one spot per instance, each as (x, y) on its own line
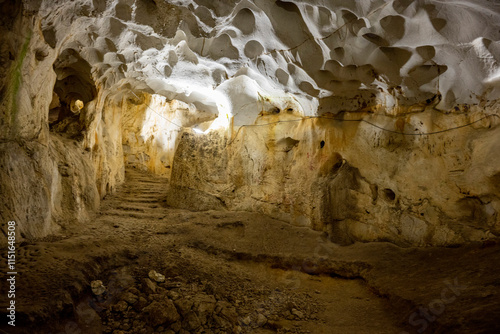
(240, 58)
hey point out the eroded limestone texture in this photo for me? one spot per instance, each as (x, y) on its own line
(351, 179)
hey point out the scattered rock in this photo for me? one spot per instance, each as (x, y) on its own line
(230, 314)
(183, 305)
(149, 308)
(163, 312)
(121, 306)
(191, 322)
(148, 286)
(134, 291)
(297, 313)
(155, 276)
(261, 320)
(97, 287)
(246, 320)
(204, 306)
(130, 298)
(176, 327)
(141, 303)
(173, 295)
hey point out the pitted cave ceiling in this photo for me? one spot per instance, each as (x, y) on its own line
(339, 55)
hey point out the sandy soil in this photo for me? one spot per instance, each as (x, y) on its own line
(241, 272)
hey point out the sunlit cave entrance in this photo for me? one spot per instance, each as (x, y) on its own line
(250, 166)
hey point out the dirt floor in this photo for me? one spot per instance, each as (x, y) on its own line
(241, 272)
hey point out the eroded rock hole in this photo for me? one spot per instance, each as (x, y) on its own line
(49, 34)
(73, 89)
(389, 194)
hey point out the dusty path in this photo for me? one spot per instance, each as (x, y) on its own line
(250, 273)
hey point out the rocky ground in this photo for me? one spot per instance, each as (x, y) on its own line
(166, 270)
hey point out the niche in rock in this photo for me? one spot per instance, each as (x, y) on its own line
(73, 89)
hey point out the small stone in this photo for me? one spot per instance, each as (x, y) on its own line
(246, 320)
(130, 298)
(161, 291)
(148, 286)
(287, 315)
(121, 306)
(261, 320)
(230, 314)
(163, 312)
(183, 305)
(297, 313)
(204, 306)
(157, 277)
(137, 324)
(220, 322)
(141, 303)
(125, 326)
(191, 322)
(176, 326)
(173, 295)
(97, 287)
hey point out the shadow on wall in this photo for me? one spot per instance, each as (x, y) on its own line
(338, 203)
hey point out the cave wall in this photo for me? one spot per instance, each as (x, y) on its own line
(351, 179)
(70, 117)
(53, 174)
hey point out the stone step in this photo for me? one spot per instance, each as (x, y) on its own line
(143, 190)
(133, 205)
(135, 215)
(145, 184)
(140, 198)
(135, 199)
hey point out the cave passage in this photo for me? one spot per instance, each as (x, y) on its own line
(250, 166)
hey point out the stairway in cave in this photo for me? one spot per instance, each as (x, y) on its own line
(197, 246)
(140, 197)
